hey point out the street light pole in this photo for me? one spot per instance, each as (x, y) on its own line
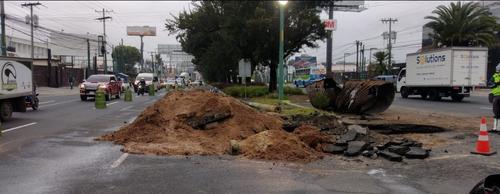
(281, 51)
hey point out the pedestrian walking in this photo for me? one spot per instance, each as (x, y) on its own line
(495, 91)
(71, 80)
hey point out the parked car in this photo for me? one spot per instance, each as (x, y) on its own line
(150, 80)
(170, 83)
(107, 82)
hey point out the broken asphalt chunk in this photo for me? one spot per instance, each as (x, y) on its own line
(334, 149)
(417, 153)
(349, 136)
(401, 150)
(391, 156)
(358, 129)
(354, 148)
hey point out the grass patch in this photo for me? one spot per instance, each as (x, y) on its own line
(292, 110)
(258, 91)
(293, 91)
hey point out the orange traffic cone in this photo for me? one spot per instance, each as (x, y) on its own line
(483, 143)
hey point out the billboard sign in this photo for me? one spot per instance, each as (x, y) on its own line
(141, 31)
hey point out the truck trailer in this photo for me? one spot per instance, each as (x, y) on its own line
(447, 72)
(16, 86)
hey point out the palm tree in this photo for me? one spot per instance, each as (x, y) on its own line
(462, 24)
(380, 67)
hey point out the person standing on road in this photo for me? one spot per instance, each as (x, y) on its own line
(71, 82)
(496, 98)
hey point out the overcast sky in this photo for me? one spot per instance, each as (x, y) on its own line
(79, 17)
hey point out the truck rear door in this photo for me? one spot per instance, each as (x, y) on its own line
(469, 67)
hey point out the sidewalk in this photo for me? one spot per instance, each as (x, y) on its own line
(62, 91)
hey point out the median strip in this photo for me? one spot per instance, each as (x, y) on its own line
(18, 127)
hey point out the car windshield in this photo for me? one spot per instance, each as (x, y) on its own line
(98, 78)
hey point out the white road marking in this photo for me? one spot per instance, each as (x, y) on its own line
(50, 101)
(120, 160)
(111, 103)
(126, 108)
(18, 127)
(63, 102)
(486, 108)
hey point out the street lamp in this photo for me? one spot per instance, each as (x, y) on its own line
(281, 50)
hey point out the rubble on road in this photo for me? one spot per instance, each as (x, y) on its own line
(200, 122)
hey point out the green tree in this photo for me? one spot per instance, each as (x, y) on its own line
(126, 57)
(462, 24)
(380, 67)
(220, 33)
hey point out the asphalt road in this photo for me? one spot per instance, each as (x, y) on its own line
(53, 151)
(474, 105)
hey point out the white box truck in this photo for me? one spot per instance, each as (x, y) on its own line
(448, 72)
(15, 86)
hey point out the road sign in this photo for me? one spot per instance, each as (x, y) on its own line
(331, 24)
(244, 68)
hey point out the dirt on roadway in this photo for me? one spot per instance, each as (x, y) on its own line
(200, 122)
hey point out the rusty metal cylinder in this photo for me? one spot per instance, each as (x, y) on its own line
(356, 97)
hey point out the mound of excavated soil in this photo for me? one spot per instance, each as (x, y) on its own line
(202, 122)
(278, 145)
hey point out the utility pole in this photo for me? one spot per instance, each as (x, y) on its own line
(329, 43)
(357, 58)
(363, 62)
(142, 52)
(2, 18)
(153, 62)
(31, 5)
(88, 56)
(103, 19)
(343, 72)
(389, 46)
(95, 64)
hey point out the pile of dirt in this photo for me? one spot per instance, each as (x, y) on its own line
(203, 123)
(200, 122)
(278, 145)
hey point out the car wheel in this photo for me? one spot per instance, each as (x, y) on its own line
(107, 97)
(34, 104)
(404, 92)
(423, 96)
(434, 95)
(5, 111)
(83, 97)
(457, 97)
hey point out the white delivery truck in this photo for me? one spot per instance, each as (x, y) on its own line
(15, 86)
(448, 72)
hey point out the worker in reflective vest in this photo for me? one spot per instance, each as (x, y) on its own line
(496, 98)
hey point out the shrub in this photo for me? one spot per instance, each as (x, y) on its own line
(320, 101)
(252, 91)
(293, 91)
